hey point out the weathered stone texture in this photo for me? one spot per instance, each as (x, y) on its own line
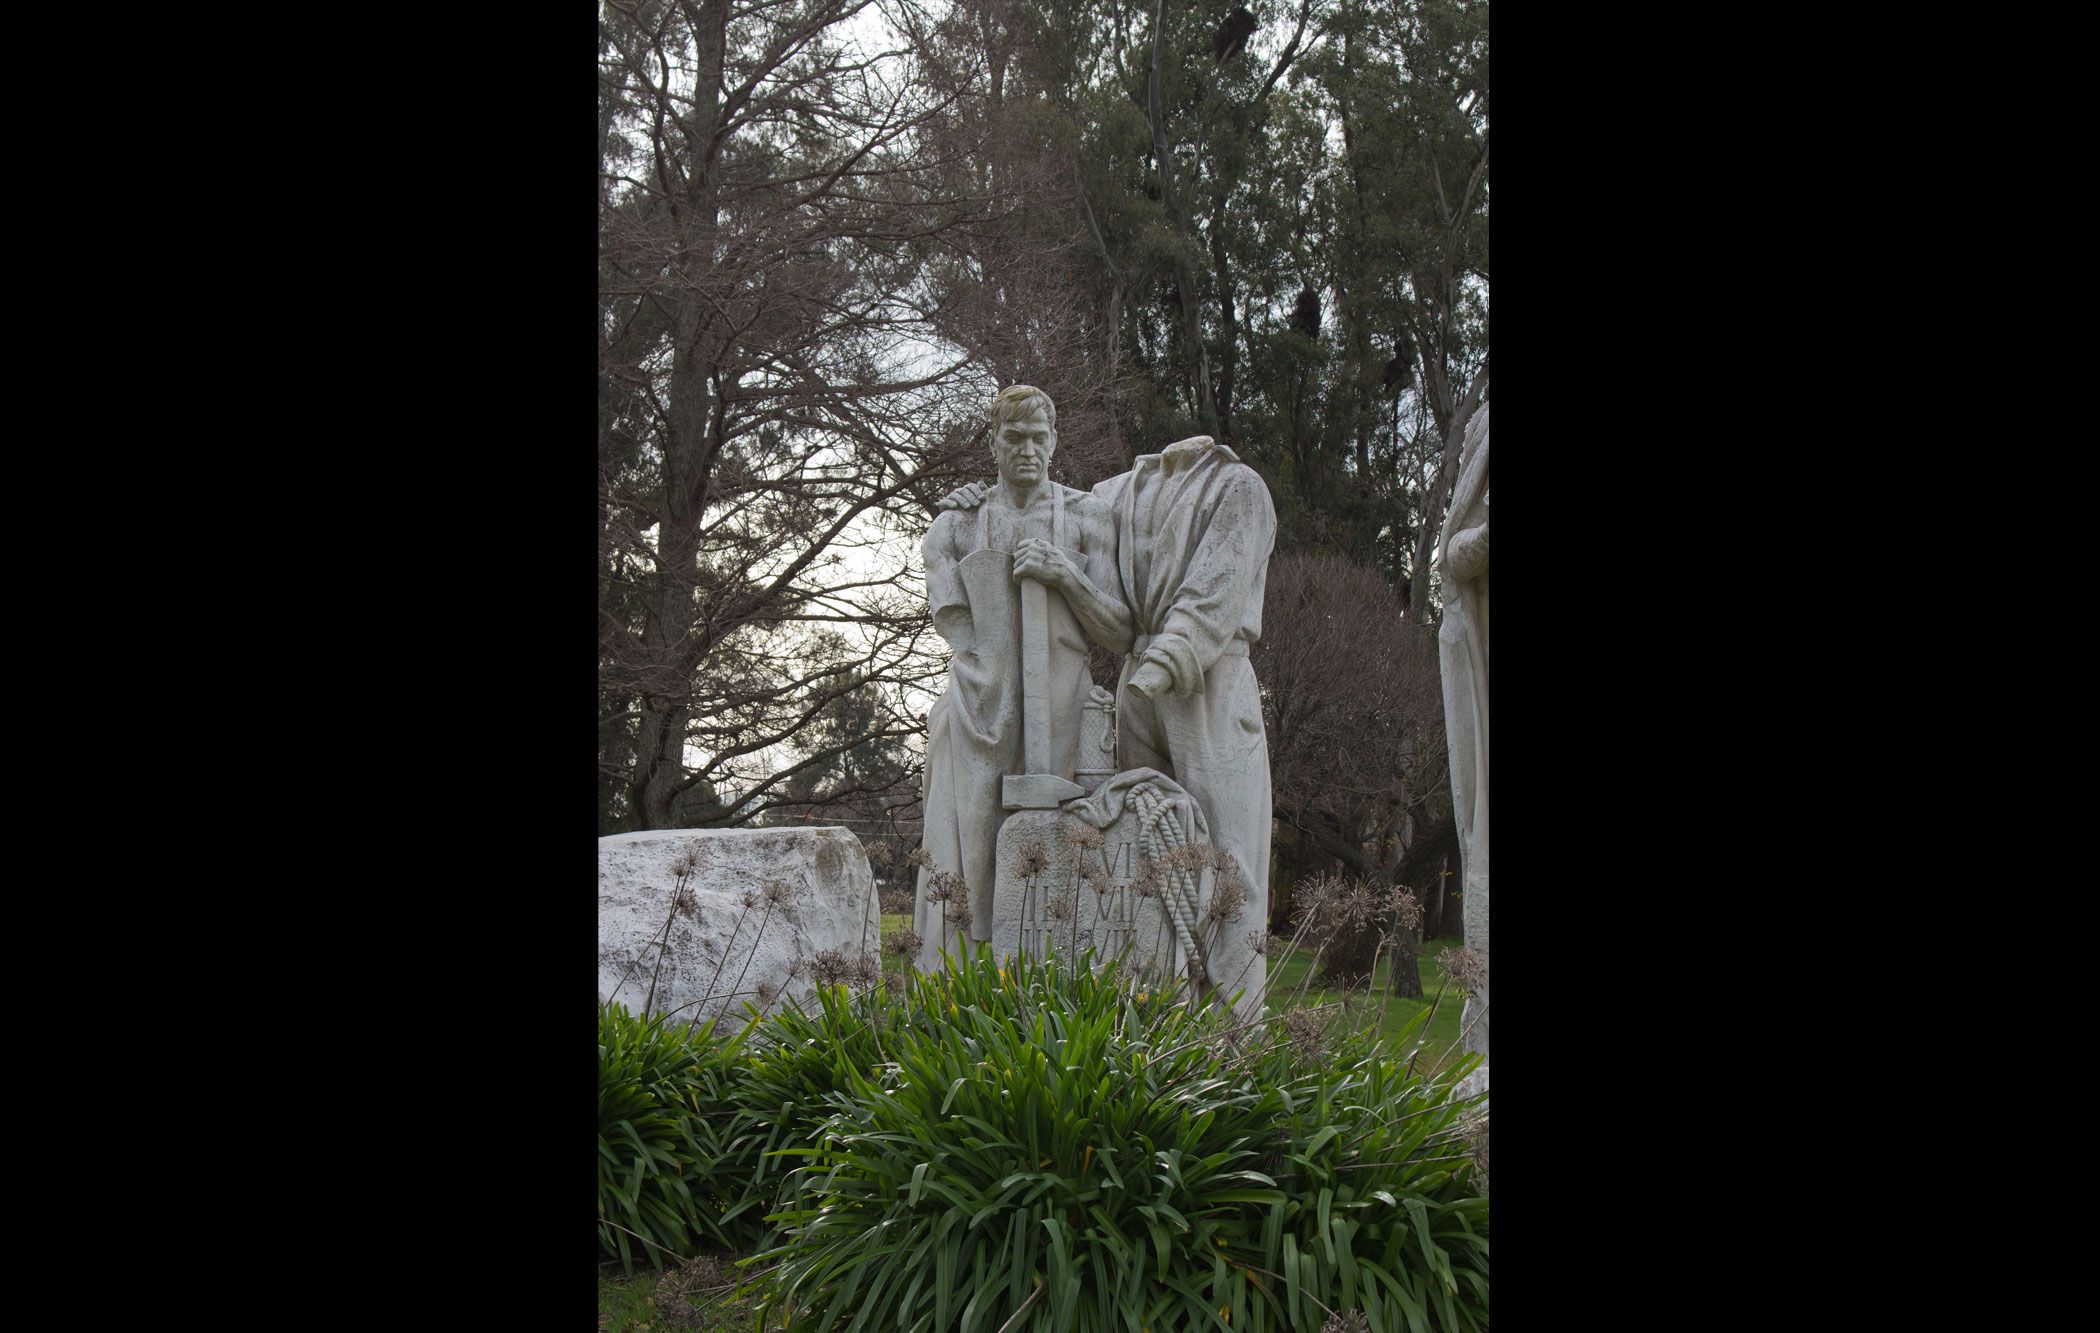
(756, 902)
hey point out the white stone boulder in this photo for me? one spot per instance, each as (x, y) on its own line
(758, 907)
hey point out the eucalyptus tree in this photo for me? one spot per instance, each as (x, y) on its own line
(1278, 227)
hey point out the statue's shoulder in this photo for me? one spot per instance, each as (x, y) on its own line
(1243, 475)
(1086, 502)
(947, 527)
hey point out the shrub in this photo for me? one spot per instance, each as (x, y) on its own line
(663, 1137)
(1043, 1147)
(1382, 1214)
(690, 1124)
(790, 1068)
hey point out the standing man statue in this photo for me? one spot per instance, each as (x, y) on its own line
(1193, 529)
(1028, 528)
(1462, 643)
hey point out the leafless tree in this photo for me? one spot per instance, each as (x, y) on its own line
(1019, 297)
(777, 406)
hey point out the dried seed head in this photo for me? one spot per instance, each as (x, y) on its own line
(1306, 1030)
(880, 853)
(1228, 898)
(1405, 907)
(767, 992)
(1467, 968)
(1357, 906)
(1347, 1321)
(919, 857)
(1090, 838)
(1475, 1129)
(776, 892)
(1059, 907)
(905, 943)
(960, 914)
(1313, 898)
(941, 886)
(748, 898)
(1031, 860)
(1258, 942)
(1188, 858)
(1147, 882)
(831, 967)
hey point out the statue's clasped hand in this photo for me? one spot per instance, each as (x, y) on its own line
(1037, 559)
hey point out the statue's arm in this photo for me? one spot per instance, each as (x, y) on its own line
(1104, 572)
(1092, 587)
(1467, 555)
(944, 591)
(1226, 572)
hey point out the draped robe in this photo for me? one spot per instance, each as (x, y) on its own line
(973, 734)
(1195, 529)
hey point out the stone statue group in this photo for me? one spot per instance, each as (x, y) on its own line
(1044, 831)
(1048, 825)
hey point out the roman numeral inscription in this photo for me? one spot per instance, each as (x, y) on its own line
(1059, 910)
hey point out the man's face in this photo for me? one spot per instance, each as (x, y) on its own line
(1023, 445)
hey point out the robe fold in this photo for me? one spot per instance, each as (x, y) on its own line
(973, 733)
(1195, 530)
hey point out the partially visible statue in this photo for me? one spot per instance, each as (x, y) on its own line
(1463, 646)
(1028, 529)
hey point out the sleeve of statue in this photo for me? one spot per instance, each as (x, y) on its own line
(1469, 552)
(944, 591)
(1225, 574)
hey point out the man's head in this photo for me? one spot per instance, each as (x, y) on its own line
(1024, 434)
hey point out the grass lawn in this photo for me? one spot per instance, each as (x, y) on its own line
(1362, 1006)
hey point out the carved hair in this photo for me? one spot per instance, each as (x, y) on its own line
(1013, 400)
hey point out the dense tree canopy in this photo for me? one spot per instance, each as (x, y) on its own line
(830, 229)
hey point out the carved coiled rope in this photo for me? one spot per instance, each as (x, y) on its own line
(1159, 833)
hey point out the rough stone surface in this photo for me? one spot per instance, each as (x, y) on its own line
(1056, 909)
(814, 891)
(1475, 1121)
(1473, 1084)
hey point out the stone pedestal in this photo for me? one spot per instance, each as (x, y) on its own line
(1056, 910)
